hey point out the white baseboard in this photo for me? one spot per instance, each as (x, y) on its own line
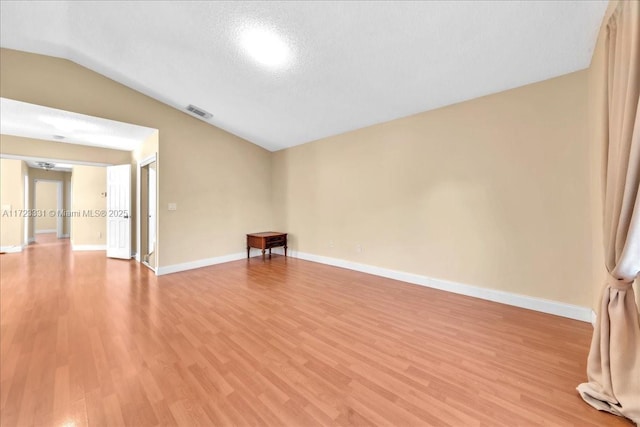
(532, 303)
(199, 263)
(88, 247)
(594, 318)
(570, 311)
(45, 231)
(64, 236)
(11, 249)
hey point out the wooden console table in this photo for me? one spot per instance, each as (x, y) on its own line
(266, 240)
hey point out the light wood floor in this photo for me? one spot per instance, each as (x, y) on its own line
(89, 340)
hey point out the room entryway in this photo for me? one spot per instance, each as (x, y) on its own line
(147, 199)
(48, 201)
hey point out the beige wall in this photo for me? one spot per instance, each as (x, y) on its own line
(25, 202)
(46, 200)
(220, 183)
(66, 202)
(489, 192)
(89, 185)
(11, 200)
(149, 147)
(27, 147)
(596, 127)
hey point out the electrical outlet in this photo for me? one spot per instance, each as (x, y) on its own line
(358, 248)
(100, 234)
(330, 243)
(173, 206)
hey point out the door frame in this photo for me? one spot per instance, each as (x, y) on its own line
(59, 204)
(142, 163)
(26, 207)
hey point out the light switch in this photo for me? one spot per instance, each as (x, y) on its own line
(173, 206)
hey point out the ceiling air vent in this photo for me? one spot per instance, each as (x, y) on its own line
(199, 112)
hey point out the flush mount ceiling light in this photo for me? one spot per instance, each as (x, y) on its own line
(265, 46)
(46, 165)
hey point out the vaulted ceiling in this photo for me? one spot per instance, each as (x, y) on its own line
(346, 65)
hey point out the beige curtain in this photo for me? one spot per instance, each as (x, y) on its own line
(613, 367)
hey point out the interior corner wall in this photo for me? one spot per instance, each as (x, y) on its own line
(490, 192)
(597, 129)
(219, 182)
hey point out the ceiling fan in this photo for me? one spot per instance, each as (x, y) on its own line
(46, 166)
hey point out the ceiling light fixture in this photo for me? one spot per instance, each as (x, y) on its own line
(265, 46)
(46, 165)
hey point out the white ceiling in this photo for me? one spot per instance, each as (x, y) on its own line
(35, 121)
(353, 64)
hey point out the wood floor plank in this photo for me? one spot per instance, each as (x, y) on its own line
(86, 340)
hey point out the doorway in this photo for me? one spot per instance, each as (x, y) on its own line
(47, 205)
(148, 199)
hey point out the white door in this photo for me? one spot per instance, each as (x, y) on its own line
(119, 211)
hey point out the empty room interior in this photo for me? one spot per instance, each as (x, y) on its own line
(319, 213)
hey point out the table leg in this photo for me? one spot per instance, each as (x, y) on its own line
(248, 249)
(263, 253)
(285, 251)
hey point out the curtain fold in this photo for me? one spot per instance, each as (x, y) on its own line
(613, 366)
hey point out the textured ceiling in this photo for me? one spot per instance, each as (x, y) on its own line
(35, 121)
(353, 64)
